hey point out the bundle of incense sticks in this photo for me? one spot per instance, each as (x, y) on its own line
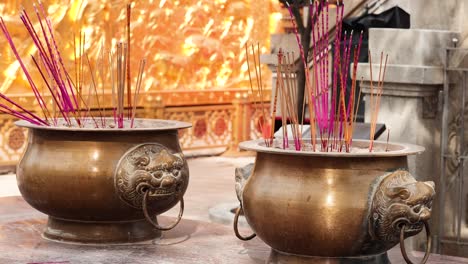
(287, 91)
(71, 105)
(332, 107)
(375, 98)
(258, 93)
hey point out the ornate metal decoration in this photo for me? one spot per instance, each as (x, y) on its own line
(399, 201)
(148, 168)
(242, 175)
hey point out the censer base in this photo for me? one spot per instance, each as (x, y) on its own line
(277, 257)
(68, 231)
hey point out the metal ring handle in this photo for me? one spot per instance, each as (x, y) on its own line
(156, 225)
(236, 231)
(428, 244)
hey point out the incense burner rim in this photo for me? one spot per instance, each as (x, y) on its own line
(149, 126)
(395, 149)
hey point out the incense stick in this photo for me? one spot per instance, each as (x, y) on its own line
(66, 92)
(137, 89)
(129, 90)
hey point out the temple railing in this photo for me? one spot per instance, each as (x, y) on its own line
(220, 119)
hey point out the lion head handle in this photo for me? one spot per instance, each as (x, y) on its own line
(399, 201)
(149, 168)
(242, 174)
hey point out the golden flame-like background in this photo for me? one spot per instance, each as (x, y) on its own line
(189, 44)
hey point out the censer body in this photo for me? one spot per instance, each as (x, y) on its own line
(343, 207)
(94, 183)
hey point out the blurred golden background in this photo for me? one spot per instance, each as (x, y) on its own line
(189, 44)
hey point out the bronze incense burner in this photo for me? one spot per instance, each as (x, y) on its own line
(315, 207)
(104, 185)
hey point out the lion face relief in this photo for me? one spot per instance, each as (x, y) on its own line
(149, 168)
(242, 174)
(399, 201)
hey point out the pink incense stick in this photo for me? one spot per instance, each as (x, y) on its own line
(49, 25)
(321, 67)
(33, 86)
(42, 53)
(315, 102)
(335, 81)
(50, 89)
(306, 70)
(327, 109)
(23, 67)
(67, 106)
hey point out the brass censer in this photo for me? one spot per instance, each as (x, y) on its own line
(334, 207)
(104, 185)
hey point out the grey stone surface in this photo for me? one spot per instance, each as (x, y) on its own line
(410, 46)
(404, 74)
(223, 214)
(449, 15)
(432, 14)
(415, 71)
(286, 42)
(403, 117)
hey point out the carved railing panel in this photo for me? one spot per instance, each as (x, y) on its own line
(12, 141)
(211, 125)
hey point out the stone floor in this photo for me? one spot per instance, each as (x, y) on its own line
(211, 183)
(8, 185)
